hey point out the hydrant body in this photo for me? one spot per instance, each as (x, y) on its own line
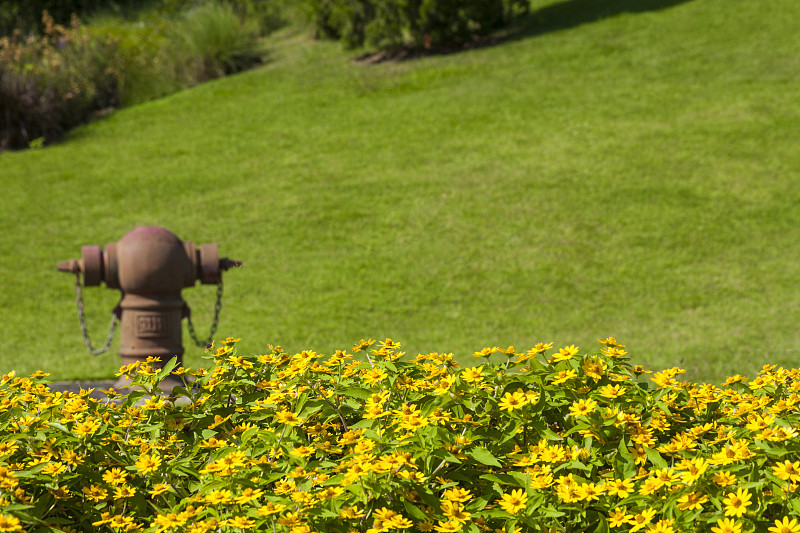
(150, 266)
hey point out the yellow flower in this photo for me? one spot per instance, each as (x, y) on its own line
(350, 513)
(240, 362)
(588, 492)
(8, 447)
(514, 400)
(413, 422)
(785, 526)
(159, 489)
(724, 478)
(125, 491)
(727, 525)
(736, 504)
(95, 493)
(288, 418)
(270, 508)
(374, 375)
(241, 522)
(650, 486)
(448, 527)
(619, 517)
(86, 427)
(514, 502)
(398, 522)
(248, 495)
(564, 376)
(329, 493)
(693, 469)
(115, 476)
(148, 463)
(640, 520)
(454, 511)
(693, 500)
(662, 526)
(362, 345)
(540, 348)
(155, 403)
(290, 519)
(169, 520)
(54, 468)
(217, 497)
(594, 368)
(564, 354)
(611, 391)
(457, 494)
(787, 471)
(582, 407)
(621, 488)
(9, 523)
(472, 375)
(121, 522)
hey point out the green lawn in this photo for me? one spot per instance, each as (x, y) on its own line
(631, 173)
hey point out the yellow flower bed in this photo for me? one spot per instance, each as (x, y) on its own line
(540, 440)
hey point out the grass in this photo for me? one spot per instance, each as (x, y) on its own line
(631, 173)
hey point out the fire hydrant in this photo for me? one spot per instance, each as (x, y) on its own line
(150, 266)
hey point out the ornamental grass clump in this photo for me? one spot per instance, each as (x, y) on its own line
(370, 441)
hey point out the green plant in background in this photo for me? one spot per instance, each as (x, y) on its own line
(25, 16)
(417, 23)
(218, 41)
(537, 440)
(52, 83)
(151, 62)
(49, 84)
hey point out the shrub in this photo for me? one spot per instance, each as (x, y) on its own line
(152, 64)
(268, 15)
(51, 83)
(418, 23)
(218, 41)
(305, 442)
(25, 16)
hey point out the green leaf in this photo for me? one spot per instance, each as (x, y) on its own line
(360, 393)
(655, 458)
(59, 426)
(365, 423)
(166, 369)
(310, 410)
(624, 463)
(541, 427)
(503, 479)
(414, 511)
(483, 456)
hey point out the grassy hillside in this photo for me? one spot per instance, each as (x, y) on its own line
(629, 172)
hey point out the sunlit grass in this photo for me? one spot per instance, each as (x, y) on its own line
(633, 176)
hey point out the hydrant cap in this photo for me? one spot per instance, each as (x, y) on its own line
(153, 260)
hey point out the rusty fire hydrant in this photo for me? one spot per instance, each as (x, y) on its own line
(150, 266)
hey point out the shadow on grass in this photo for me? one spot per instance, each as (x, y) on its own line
(571, 13)
(555, 17)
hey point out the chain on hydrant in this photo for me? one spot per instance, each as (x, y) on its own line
(150, 266)
(82, 318)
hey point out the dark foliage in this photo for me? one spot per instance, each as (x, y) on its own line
(52, 83)
(417, 23)
(26, 15)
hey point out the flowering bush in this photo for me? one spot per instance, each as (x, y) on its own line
(539, 440)
(54, 82)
